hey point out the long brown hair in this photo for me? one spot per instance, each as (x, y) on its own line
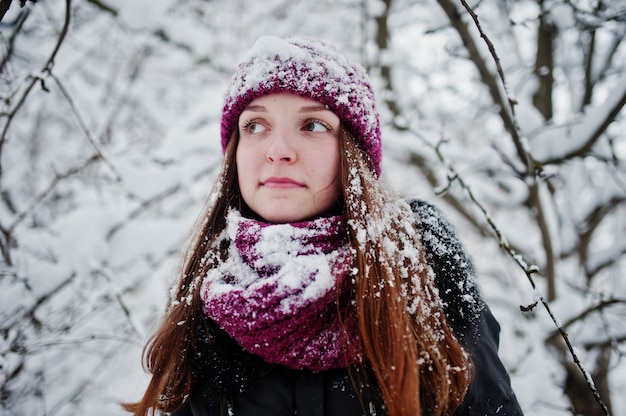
(169, 353)
(417, 362)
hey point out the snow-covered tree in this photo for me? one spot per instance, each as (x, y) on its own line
(507, 114)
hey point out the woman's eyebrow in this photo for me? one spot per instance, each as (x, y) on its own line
(305, 109)
(256, 108)
(310, 108)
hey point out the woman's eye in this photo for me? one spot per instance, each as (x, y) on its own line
(253, 127)
(316, 126)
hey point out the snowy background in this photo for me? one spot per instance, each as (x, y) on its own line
(108, 152)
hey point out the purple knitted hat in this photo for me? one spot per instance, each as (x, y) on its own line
(312, 69)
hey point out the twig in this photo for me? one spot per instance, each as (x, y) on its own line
(143, 207)
(525, 157)
(104, 7)
(43, 299)
(528, 271)
(595, 135)
(51, 186)
(4, 7)
(515, 131)
(121, 303)
(84, 127)
(612, 341)
(19, 24)
(46, 69)
(44, 346)
(594, 308)
(488, 79)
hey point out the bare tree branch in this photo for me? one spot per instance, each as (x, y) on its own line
(544, 65)
(605, 303)
(600, 127)
(591, 224)
(592, 272)
(30, 313)
(48, 190)
(4, 7)
(589, 61)
(84, 127)
(617, 40)
(382, 40)
(19, 24)
(103, 6)
(142, 208)
(505, 104)
(510, 121)
(546, 237)
(34, 80)
(420, 162)
(608, 342)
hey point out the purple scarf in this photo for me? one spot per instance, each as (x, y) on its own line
(276, 292)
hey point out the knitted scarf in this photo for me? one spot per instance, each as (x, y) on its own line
(276, 292)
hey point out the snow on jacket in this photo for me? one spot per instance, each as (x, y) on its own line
(232, 381)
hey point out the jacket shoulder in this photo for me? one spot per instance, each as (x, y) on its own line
(490, 391)
(454, 272)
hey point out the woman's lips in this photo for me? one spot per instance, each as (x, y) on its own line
(276, 182)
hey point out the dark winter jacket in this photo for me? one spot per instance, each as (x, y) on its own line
(229, 375)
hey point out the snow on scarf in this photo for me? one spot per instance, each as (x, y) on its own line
(276, 292)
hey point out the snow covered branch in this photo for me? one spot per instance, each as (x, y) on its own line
(501, 98)
(558, 144)
(36, 79)
(509, 112)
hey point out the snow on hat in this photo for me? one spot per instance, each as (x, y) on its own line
(313, 69)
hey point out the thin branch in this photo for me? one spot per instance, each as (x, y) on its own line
(592, 272)
(544, 229)
(544, 66)
(142, 208)
(30, 313)
(592, 222)
(419, 161)
(84, 128)
(4, 7)
(506, 104)
(382, 40)
(104, 7)
(121, 303)
(44, 346)
(619, 15)
(48, 190)
(510, 120)
(612, 342)
(595, 135)
(35, 79)
(589, 63)
(531, 170)
(19, 24)
(5, 245)
(453, 175)
(583, 314)
(11, 116)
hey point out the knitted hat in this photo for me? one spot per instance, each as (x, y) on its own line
(313, 69)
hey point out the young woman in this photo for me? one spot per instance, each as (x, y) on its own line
(309, 288)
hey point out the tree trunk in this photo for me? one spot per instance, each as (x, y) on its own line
(578, 392)
(544, 65)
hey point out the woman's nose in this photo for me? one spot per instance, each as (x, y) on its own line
(280, 148)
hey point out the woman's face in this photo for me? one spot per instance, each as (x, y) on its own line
(288, 157)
